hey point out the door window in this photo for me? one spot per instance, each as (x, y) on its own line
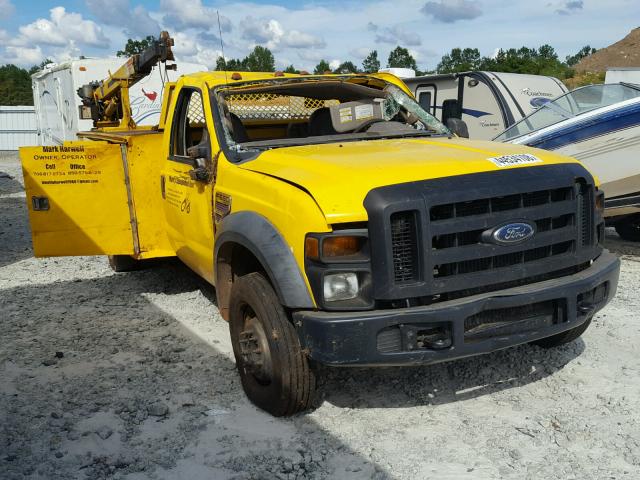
(425, 101)
(189, 126)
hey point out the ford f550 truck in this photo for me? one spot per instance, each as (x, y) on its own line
(339, 222)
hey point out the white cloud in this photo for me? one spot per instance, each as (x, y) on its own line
(192, 14)
(394, 35)
(272, 35)
(450, 11)
(62, 27)
(334, 64)
(135, 21)
(569, 7)
(360, 52)
(23, 56)
(186, 49)
(6, 9)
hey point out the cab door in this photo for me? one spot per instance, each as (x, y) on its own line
(77, 198)
(186, 189)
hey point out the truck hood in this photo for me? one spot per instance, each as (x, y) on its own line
(339, 175)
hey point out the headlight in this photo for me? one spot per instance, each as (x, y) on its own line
(338, 267)
(340, 286)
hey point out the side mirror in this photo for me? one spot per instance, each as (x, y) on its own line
(459, 127)
(199, 154)
(198, 151)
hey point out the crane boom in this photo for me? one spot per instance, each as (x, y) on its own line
(106, 102)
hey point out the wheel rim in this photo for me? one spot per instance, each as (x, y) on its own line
(254, 348)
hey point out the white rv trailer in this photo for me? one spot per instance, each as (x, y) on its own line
(623, 75)
(600, 126)
(488, 102)
(56, 99)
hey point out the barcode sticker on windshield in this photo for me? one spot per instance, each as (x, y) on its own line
(511, 160)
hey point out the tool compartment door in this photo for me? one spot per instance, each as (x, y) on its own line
(77, 199)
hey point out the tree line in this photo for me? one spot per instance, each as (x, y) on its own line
(15, 82)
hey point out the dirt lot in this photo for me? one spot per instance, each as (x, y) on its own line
(107, 375)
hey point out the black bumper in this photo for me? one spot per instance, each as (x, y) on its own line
(459, 328)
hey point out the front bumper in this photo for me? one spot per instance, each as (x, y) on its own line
(462, 327)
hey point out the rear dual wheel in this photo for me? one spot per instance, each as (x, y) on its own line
(274, 371)
(629, 228)
(123, 263)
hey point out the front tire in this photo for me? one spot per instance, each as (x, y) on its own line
(564, 337)
(629, 228)
(274, 371)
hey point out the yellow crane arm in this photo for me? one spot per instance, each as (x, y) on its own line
(106, 102)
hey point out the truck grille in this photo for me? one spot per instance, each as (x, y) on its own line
(404, 245)
(437, 245)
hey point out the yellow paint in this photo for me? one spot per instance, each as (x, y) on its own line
(340, 175)
(88, 212)
(325, 185)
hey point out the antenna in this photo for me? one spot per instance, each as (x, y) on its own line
(222, 48)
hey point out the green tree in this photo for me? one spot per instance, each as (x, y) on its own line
(134, 47)
(15, 86)
(584, 52)
(541, 61)
(400, 57)
(291, 69)
(460, 60)
(37, 68)
(322, 67)
(346, 67)
(371, 64)
(260, 60)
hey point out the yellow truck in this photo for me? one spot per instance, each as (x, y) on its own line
(339, 222)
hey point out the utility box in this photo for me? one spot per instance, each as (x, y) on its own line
(56, 99)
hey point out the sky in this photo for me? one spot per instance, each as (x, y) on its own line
(304, 32)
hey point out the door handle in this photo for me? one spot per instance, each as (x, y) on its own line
(163, 186)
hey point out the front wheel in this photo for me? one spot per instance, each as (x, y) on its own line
(274, 371)
(629, 228)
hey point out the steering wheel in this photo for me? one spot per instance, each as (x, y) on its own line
(367, 124)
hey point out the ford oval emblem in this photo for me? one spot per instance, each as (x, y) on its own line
(512, 233)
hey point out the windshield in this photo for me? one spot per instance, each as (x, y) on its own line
(308, 111)
(570, 105)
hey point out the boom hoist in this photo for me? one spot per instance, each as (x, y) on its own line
(106, 102)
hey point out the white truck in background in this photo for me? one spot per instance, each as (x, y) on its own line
(56, 99)
(488, 102)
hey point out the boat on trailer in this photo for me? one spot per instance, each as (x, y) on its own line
(600, 126)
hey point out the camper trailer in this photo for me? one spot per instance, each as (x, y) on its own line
(600, 126)
(57, 102)
(488, 102)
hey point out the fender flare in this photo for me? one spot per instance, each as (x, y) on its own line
(255, 233)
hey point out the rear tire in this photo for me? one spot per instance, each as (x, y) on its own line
(274, 371)
(629, 228)
(564, 337)
(124, 263)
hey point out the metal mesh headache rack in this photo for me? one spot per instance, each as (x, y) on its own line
(269, 106)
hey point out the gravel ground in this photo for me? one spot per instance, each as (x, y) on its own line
(131, 376)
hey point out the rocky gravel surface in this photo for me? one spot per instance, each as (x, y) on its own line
(131, 376)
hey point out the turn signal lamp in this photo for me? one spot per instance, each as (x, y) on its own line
(342, 246)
